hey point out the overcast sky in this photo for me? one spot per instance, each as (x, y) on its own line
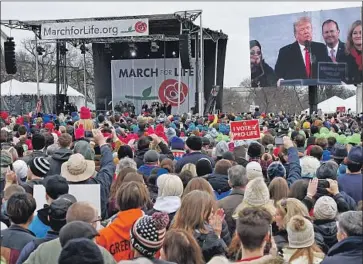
(231, 17)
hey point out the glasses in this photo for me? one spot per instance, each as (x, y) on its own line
(253, 53)
(98, 219)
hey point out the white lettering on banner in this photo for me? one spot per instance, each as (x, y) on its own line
(95, 29)
(150, 80)
(82, 192)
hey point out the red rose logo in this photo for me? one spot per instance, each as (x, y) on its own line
(168, 92)
(140, 27)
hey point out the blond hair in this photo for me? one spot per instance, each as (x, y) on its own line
(169, 185)
(291, 207)
(301, 20)
(190, 167)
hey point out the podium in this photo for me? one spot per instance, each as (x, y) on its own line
(312, 88)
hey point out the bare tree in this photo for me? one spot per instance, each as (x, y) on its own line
(26, 69)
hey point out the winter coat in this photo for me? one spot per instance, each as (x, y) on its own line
(13, 240)
(293, 172)
(33, 245)
(229, 205)
(29, 185)
(116, 236)
(352, 184)
(168, 204)
(40, 224)
(288, 252)
(139, 155)
(191, 158)
(210, 244)
(327, 229)
(347, 251)
(220, 185)
(268, 259)
(49, 253)
(104, 177)
(34, 154)
(57, 159)
(145, 169)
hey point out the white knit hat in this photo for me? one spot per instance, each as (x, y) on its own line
(300, 232)
(325, 208)
(256, 195)
(254, 170)
(20, 169)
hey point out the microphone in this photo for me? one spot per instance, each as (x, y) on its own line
(307, 45)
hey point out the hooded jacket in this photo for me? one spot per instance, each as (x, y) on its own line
(40, 224)
(347, 251)
(115, 238)
(327, 229)
(57, 159)
(268, 259)
(168, 204)
(13, 240)
(220, 185)
(49, 253)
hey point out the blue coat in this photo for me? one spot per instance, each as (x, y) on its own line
(347, 251)
(294, 171)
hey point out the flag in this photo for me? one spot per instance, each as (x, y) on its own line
(39, 106)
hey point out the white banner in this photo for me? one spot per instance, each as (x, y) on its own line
(151, 80)
(96, 29)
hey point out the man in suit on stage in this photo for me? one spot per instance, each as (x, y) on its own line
(299, 60)
(335, 47)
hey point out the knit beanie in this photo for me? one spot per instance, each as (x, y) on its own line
(81, 250)
(20, 169)
(39, 166)
(221, 148)
(256, 193)
(276, 169)
(325, 208)
(203, 167)
(254, 170)
(85, 113)
(170, 133)
(84, 148)
(148, 233)
(255, 150)
(300, 232)
(177, 143)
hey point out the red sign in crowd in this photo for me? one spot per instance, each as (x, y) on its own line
(244, 130)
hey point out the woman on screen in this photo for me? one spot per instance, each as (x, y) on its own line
(353, 48)
(262, 75)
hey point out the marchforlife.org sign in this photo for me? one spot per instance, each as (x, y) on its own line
(245, 130)
(95, 29)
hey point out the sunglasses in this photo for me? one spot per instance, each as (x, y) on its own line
(253, 53)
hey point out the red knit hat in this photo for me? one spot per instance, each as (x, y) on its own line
(85, 113)
(79, 133)
(4, 115)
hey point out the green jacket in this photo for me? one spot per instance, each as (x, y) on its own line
(49, 253)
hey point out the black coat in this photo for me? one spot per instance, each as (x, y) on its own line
(264, 76)
(290, 62)
(327, 230)
(57, 159)
(219, 182)
(211, 245)
(347, 251)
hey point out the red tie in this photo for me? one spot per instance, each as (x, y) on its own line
(307, 63)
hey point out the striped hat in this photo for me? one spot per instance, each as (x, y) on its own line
(39, 166)
(148, 233)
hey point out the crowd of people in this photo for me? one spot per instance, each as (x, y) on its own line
(179, 189)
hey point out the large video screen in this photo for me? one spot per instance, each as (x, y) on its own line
(307, 45)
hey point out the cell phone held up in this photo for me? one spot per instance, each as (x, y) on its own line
(323, 184)
(279, 141)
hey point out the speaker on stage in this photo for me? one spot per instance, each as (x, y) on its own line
(9, 52)
(185, 50)
(61, 99)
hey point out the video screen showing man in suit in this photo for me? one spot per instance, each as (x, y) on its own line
(335, 47)
(299, 60)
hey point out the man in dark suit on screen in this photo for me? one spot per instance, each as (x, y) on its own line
(299, 60)
(335, 47)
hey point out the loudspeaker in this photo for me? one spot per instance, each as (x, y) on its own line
(9, 51)
(185, 50)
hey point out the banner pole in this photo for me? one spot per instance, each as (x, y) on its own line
(215, 75)
(201, 89)
(37, 66)
(84, 80)
(179, 75)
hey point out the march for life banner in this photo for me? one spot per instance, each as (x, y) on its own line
(152, 80)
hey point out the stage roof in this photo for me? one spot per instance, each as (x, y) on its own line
(161, 27)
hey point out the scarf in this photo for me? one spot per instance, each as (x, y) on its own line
(358, 58)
